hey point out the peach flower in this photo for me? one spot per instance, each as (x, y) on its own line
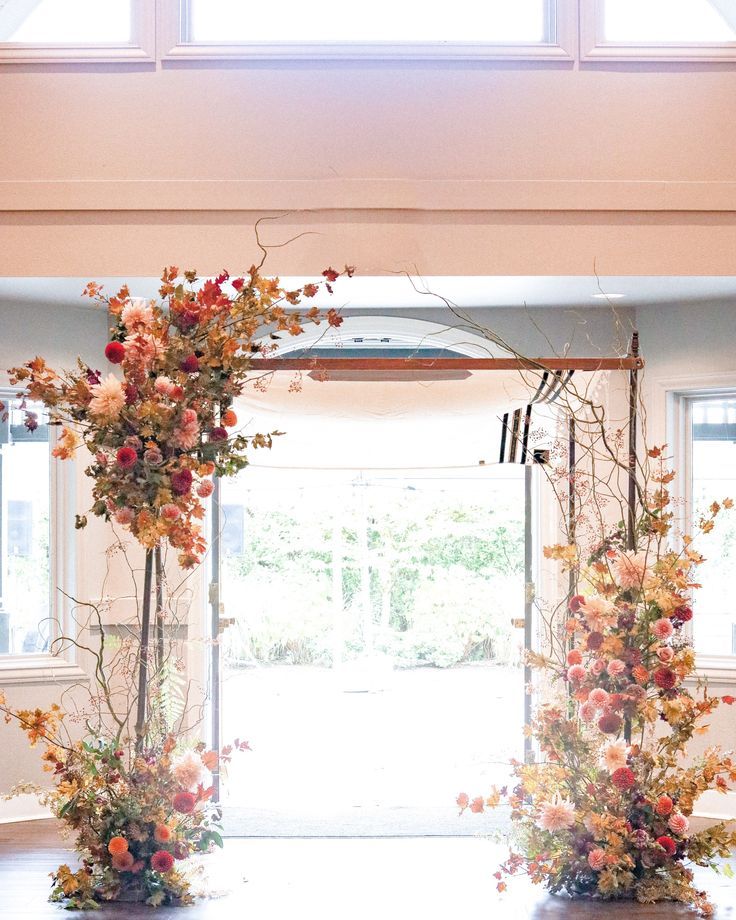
(557, 815)
(614, 755)
(597, 859)
(665, 653)
(108, 398)
(599, 613)
(630, 570)
(137, 314)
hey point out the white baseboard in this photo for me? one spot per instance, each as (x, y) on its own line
(22, 808)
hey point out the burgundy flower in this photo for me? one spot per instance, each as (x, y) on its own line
(684, 614)
(131, 393)
(184, 802)
(126, 458)
(609, 723)
(162, 861)
(115, 352)
(181, 482)
(218, 434)
(576, 602)
(190, 364)
(595, 640)
(181, 850)
(665, 678)
(30, 421)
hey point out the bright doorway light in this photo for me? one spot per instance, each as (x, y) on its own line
(663, 21)
(494, 21)
(67, 22)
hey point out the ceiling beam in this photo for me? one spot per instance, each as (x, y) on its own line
(13, 13)
(727, 9)
(459, 363)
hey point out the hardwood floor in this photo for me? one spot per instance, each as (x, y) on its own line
(354, 879)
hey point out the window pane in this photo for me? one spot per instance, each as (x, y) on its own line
(662, 21)
(66, 21)
(24, 531)
(495, 21)
(714, 478)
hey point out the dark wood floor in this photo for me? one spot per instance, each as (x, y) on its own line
(329, 880)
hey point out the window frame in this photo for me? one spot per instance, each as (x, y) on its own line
(679, 396)
(594, 47)
(140, 48)
(43, 667)
(173, 29)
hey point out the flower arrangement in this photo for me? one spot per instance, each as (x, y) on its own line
(606, 810)
(158, 432)
(138, 797)
(138, 817)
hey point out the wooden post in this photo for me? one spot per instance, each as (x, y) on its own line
(159, 609)
(633, 418)
(632, 497)
(140, 722)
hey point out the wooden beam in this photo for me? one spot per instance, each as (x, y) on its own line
(459, 363)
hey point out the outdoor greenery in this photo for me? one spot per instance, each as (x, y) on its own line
(423, 574)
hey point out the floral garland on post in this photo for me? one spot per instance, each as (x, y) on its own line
(140, 802)
(601, 816)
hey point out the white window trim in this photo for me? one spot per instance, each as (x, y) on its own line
(594, 47)
(172, 28)
(673, 396)
(44, 667)
(141, 48)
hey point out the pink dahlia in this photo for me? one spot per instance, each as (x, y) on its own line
(599, 696)
(170, 512)
(205, 488)
(597, 859)
(107, 400)
(575, 656)
(576, 673)
(662, 628)
(588, 711)
(124, 516)
(616, 667)
(679, 824)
